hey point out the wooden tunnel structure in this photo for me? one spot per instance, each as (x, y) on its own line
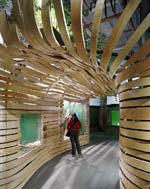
(38, 77)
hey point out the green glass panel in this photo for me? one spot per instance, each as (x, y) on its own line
(115, 118)
(29, 128)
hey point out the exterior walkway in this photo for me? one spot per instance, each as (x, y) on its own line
(97, 169)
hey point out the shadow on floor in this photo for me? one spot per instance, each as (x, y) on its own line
(97, 169)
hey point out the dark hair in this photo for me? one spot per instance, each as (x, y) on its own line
(75, 117)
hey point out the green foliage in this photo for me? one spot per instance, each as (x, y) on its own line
(3, 2)
(38, 13)
(100, 44)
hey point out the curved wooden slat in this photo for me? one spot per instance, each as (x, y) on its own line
(133, 71)
(116, 33)
(95, 30)
(135, 103)
(45, 74)
(129, 45)
(77, 28)
(135, 144)
(141, 82)
(134, 181)
(62, 26)
(143, 51)
(47, 28)
(137, 154)
(143, 135)
(141, 113)
(135, 93)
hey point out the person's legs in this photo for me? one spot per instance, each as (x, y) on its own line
(73, 146)
(77, 143)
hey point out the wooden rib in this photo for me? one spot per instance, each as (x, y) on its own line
(30, 29)
(62, 26)
(135, 162)
(4, 28)
(135, 103)
(135, 144)
(134, 181)
(137, 154)
(48, 29)
(95, 30)
(132, 71)
(116, 33)
(129, 45)
(144, 125)
(143, 51)
(135, 83)
(136, 93)
(77, 28)
(143, 135)
(135, 114)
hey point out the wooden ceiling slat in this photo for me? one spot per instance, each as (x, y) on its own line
(77, 28)
(95, 30)
(130, 44)
(117, 31)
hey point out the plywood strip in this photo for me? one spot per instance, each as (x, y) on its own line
(141, 113)
(58, 4)
(118, 29)
(95, 30)
(143, 51)
(129, 45)
(140, 125)
(133, 71)
(127, 183)
(143, 146)
(143, 135)
(48, 29)
(137, 154)
(135, 103)
(135, 83)
(77, 28)
(135, 93)
(139, 164)
(135, 180)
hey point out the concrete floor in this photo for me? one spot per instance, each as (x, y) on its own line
(97, 169)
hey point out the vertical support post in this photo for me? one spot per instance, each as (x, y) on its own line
(103, 113)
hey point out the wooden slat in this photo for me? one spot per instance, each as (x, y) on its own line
(143, 146)
(133, 71)
(58, 4)
(95, 30)
(118, 29)
(77, 28)
(135, 93)
(137, 154)
(144, 50)
(134, 83)
(131, 42)
(48, 29)
(144, 125)
(134, 181)
(135, 114)
(139, 164)
(143, 135)
(135, 103)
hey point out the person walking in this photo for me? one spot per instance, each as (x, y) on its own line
(73, 127)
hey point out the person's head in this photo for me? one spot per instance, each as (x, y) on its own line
(74, 117)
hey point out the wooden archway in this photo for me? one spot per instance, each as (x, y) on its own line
(37, 75)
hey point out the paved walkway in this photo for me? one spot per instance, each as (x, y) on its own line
(97, 169)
